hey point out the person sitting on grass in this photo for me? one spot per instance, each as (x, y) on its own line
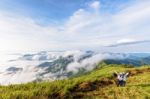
(121, 78)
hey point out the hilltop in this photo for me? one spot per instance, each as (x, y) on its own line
(97, 84)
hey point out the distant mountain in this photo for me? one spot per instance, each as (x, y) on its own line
(136, 59)
(47, 65)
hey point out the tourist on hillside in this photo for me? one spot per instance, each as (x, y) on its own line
(121, 78)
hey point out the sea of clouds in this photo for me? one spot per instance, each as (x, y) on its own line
(19, 68)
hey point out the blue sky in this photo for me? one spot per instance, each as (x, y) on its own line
(45, 10)
(55, 10)
(107, 25)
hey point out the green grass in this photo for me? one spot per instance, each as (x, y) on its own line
(138, 87)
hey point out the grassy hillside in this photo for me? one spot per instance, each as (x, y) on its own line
(98, 84)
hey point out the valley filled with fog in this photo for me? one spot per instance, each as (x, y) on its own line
(46, 65)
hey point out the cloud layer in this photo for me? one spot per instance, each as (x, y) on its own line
(38, 66)
(126, 42)
(87, 28)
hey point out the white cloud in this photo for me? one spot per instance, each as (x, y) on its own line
(84, 29)
(101, 29)
(19, 33)
(27, 67)
(125, 40)
(95, 5)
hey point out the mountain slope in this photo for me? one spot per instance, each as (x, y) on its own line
(96, 84)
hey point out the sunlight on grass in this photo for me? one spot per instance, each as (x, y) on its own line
(138, 87)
